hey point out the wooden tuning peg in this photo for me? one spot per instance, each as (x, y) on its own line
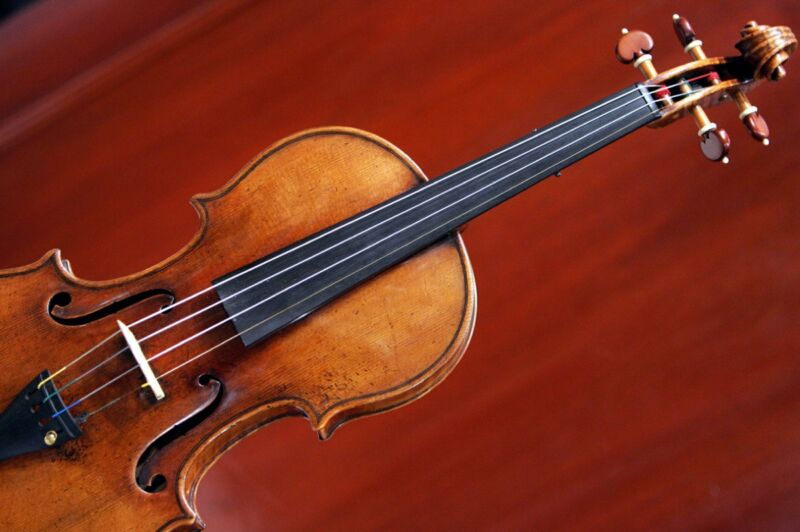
(748, 113)
(753, 122)
(714, 142)
(687, 37)
(634, 47)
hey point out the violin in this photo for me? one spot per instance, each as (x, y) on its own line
(327, 280)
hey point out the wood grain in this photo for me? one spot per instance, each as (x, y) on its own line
(381, 345)
(634, 364)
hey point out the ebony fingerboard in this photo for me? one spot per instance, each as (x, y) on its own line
(262, 297)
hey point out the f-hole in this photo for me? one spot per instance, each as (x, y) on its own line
(153, 482)
(56, 307)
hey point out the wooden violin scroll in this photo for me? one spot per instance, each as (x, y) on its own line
(767, 48)
(687, 89)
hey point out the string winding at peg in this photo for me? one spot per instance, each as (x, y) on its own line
(715, 142)
(765, 50)
(635, 47)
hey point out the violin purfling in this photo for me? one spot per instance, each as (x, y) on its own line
(327, 280)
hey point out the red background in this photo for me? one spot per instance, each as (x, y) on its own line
(636, 361)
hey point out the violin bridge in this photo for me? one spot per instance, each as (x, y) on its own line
(141, 360)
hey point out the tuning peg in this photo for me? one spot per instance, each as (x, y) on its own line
(715, 145)
(634, 47)
(715, 142)
(687, 37)
(748, 113)
(752, 120)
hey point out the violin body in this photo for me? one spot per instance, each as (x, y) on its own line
(368, 308)
(138, 464)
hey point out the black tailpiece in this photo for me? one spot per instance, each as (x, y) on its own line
(27, 424)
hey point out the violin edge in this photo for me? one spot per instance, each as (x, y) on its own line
(187, 460)
(325, 423)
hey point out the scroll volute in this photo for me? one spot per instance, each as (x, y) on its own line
(690, 88)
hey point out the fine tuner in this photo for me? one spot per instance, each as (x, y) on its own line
(705, 81)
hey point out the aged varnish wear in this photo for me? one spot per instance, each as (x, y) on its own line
(327, 280)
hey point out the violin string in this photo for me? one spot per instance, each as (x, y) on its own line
(235, 336)
(347, 223)
(78, 359)
(196, 335)
(414, 191)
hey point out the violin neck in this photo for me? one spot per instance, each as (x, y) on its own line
(299, 279)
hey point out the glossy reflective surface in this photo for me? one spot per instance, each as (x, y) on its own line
(635, 357)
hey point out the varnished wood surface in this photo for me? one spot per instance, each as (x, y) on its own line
(635, 359)
(379, 346)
